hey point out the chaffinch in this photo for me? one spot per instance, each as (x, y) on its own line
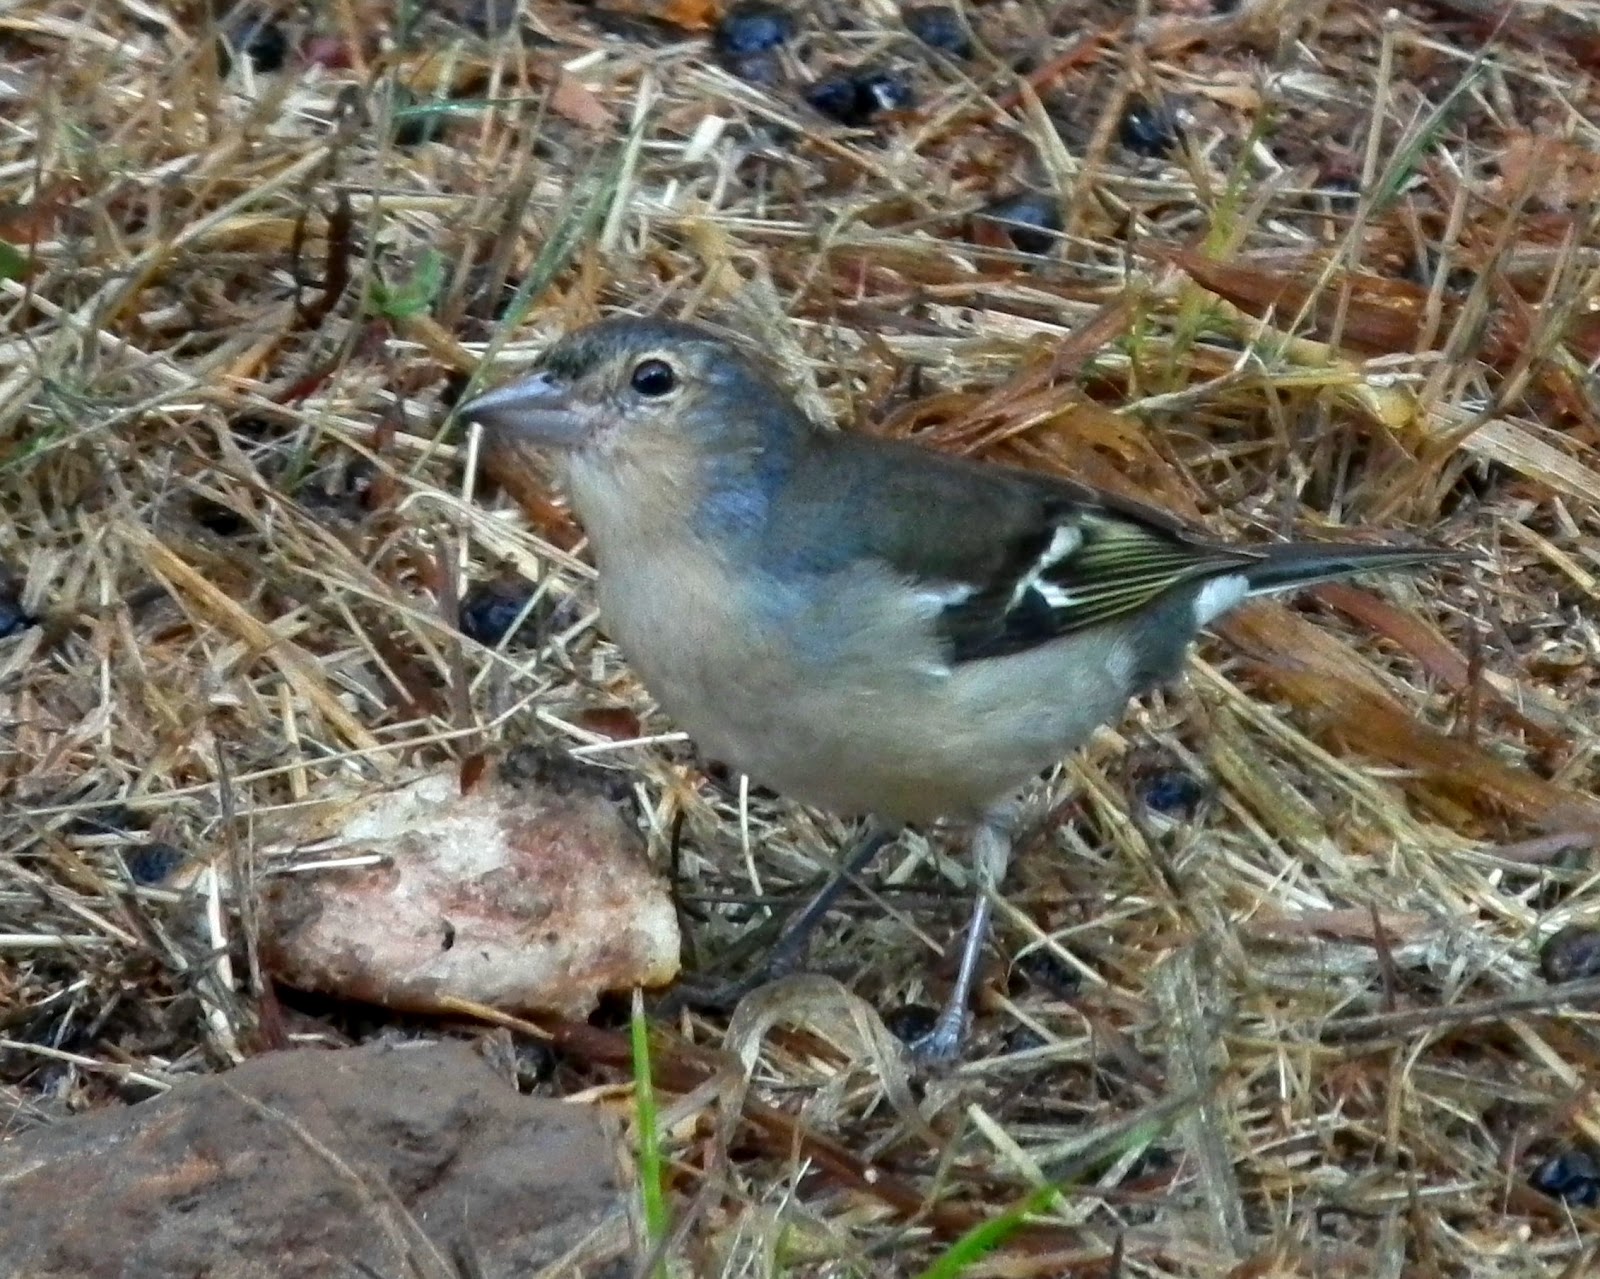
(861, 623)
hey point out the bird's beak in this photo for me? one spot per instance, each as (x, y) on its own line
(538, 410)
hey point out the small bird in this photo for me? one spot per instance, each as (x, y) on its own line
(860, 623)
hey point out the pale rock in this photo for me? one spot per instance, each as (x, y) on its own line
(530, 894)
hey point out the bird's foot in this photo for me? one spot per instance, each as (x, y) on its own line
(942, 1046)
(702, 996)
(706, 994)
(789, 952)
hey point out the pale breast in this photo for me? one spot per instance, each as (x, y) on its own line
(839, 697)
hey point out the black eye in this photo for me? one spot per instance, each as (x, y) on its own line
(654, 377)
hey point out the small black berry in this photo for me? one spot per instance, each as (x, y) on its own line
(1147, 128)
(216, 518)
(1023, 1038)
(855, 98)
(911, 1022)
(1572, 1177)
(1172, 792)
(1047, 971)
(1570, 953)
(1031, 220)
(13, 617)
(153, 861)
(489, 611)
(258, 38)
(751, 27)
(939, 27)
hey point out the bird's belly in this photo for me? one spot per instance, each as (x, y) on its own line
(914, 752)
(855, 727)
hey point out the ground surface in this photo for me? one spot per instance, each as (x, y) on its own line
(1266, 997)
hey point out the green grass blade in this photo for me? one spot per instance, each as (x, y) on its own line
(13, 262)
(579, 221)
(652, 1180)
(1404, 162)
(985, 1237)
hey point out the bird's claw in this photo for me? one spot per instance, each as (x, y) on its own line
(941, 1047)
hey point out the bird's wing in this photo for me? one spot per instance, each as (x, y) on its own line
(1023, 558)
(1078, 568)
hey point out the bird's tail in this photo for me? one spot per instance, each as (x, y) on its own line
(1302, 563)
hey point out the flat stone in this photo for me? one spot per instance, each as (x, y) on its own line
(530, 894)
(309, 1164)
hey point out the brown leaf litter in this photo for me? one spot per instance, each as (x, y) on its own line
(1297, 1028)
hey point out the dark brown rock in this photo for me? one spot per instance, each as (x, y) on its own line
(404, 1160)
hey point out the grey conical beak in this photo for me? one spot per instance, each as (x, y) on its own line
(536, 410)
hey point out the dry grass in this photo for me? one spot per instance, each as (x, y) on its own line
(1300, 1030)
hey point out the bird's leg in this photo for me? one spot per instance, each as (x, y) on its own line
(991, 853)
(789, 950)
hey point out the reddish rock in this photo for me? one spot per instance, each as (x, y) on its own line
(300, 1165)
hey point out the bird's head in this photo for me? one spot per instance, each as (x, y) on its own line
(638, 393)
(657, 425)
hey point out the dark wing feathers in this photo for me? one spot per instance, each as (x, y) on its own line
(1024, 558)
(1086, 567)
(1027, 558)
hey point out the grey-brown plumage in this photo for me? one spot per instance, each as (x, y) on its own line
(860, 623)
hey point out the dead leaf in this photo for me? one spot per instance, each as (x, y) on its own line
(575, 101)
(1441, 659)
(687, 15)
(1557, 175)
(1377, 317)
(616, 722)
(1352, 924)
(1374, 724)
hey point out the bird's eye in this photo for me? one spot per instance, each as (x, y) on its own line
(654, 378)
